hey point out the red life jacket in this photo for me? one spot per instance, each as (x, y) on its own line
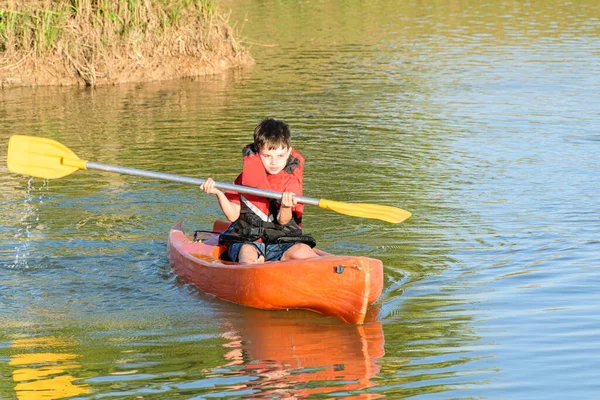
(258, 215)
(287, 180)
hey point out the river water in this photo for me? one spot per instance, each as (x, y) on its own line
(482, 118)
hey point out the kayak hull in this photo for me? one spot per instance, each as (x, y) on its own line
(341, 286)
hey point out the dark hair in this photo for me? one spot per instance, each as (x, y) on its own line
(272, 134)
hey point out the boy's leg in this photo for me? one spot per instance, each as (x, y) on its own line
(246, 253)
(249, 255)
(298, 251)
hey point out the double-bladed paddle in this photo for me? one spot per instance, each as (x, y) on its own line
(49, 159)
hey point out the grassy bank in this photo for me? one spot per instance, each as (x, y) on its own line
(111, 41)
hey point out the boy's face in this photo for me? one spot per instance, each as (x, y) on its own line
(274, 160)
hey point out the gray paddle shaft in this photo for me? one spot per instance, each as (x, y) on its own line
(196, 181)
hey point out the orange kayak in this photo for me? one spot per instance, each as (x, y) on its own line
(341, 286)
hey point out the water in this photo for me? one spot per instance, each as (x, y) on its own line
(481, 118)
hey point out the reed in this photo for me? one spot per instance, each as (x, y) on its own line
(90, 36)
(35, 30)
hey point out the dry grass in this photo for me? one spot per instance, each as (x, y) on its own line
(113, 41)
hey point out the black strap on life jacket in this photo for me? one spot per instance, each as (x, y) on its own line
(250, 228)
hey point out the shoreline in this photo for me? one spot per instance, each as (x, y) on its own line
(79, 48)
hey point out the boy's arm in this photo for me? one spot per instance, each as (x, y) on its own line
(288, 201)
(229, 208)
(289, 204)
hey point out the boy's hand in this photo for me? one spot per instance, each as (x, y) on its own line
(288, 200)
(209, 186)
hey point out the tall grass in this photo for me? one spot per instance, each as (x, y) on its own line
(88, 33)
(37, 26)
(32, 29)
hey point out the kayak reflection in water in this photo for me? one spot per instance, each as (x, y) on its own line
(266, 229)
(299, 357)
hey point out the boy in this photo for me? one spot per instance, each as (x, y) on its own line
(266, 230)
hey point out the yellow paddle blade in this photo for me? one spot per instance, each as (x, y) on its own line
(365, 210)
(41, 157)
